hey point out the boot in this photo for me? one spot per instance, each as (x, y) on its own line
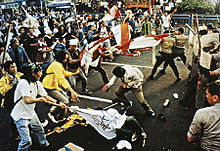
(148, 109)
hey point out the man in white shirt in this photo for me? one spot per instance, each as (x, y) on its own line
(23, 113)
(166, 19)
(132, 79)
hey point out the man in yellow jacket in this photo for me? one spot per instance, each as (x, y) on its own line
(8, 83)
(54, 81)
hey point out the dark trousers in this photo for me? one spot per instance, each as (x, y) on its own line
(167, 58)
(177, 52)
(101, 70)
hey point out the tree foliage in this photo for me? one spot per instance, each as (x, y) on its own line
(196, 6)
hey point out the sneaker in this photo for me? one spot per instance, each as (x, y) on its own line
(148, 109)
(144, 135)
(87, 92)
(52, 118)
(151, 112)
(134, 137)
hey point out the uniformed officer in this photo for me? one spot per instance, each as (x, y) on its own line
(165, 55)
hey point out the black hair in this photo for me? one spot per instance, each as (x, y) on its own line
(41, 35)
(61, 39)
(2, 44)
(166, 31)
(118, 72)
(13, 41)
(203, 32)
(214, 89)
(7, 65)
(29, 70)
(181, 30)
(61, 56)
(209, 26)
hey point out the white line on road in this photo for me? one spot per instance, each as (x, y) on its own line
(121, 64)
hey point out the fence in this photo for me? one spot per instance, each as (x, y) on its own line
(182, 19)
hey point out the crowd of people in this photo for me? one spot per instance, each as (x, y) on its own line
(48, 48)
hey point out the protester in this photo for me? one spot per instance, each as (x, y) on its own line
(23, 113)
(206, 124)
(53, 82)
(132, 79)
(74, 65)
(18, 55)
(8, 84)
(166, 19)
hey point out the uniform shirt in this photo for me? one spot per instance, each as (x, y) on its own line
(167, 45)
(22, 109)
(133, 77)
(181, 41)
(55, 77)
(206, 125)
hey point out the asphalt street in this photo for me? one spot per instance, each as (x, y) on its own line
(167, 134)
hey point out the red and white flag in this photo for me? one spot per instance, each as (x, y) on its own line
(122, 33)
(87, 54)
(114, 12)
(142, 42)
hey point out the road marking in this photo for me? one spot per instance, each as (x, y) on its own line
(94, 98)
(121, 64)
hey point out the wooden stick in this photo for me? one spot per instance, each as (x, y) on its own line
(197, 26)
(7, 43)
(107, 107)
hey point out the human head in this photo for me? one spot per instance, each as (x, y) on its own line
(32, 72)
(41, 37)
(218, 24)
(73, 43)
(22, 30)
(62, 40)
(31, 31)
(62, 56)
(180, 30)
(118, 72)
(213, 93)
(209, 26)
(10, 67)
(165, 13)
(2, 46)
(15, 42)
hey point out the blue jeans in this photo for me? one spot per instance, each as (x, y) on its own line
(24, 132)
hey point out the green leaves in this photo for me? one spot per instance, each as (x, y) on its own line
(196, 6)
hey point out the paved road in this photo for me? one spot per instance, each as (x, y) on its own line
(167, 135)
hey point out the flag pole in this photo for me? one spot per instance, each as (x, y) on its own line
(7, 43)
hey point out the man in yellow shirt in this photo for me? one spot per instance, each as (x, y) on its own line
(8, 83)
(54, 81)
